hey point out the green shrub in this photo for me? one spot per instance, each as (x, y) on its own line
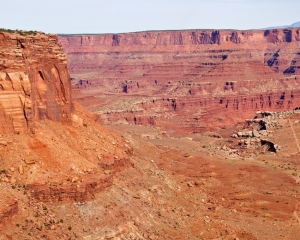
(21, 32)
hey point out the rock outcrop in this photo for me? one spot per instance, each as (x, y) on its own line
(34, 81)
(257, 130)
(81, 188)
(79, 192)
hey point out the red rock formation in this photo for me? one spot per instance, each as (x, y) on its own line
(79, 192)
(114, 163)
(194, 73)
(34, 81)
(84, 187)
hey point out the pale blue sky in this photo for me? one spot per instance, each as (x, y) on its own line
(115, 16)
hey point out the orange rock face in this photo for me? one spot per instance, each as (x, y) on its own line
(34, 81)
(194, 73)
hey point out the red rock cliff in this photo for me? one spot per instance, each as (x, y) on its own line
(191, 54)
(207, 71)
(34, 81)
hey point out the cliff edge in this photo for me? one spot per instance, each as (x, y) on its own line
(34, 81)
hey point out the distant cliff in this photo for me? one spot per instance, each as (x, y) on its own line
(203, 72)
(181, 37)
(191, 53)
(34, 81)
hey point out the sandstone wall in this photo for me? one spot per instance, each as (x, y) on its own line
(203, 72)
(185, 55)
(183, 37)
(34, 81)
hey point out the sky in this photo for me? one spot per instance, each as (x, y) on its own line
(118, 16)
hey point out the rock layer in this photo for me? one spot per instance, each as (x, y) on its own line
(184, 55)
(74, 192)
(190, 78)
(34, 81)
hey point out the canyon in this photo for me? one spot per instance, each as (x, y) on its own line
(188, 134)
(191, 79)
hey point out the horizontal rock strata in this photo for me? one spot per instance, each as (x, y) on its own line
(34, 81)
(78, 192)
(187, 78)
(81, 188)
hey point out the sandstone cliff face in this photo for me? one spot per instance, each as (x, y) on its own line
(203, 72)
(34, 81)
(183, 37)
(190, 54)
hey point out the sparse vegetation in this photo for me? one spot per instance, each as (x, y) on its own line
(21, 32)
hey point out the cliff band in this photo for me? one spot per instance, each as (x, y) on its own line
(190, 75)
(34, 81)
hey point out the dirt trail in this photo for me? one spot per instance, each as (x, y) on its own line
(296, 139)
